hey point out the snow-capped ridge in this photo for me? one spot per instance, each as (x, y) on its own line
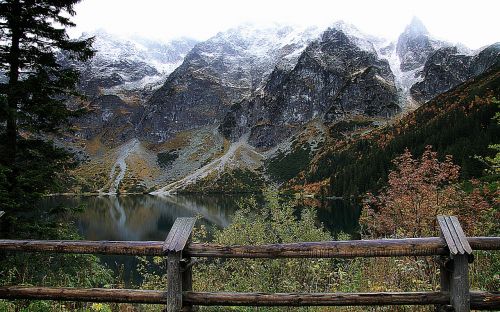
(364, 41)
(139, 62)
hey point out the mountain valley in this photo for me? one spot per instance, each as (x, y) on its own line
(250, 104)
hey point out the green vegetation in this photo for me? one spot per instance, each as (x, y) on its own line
(230, 181)
(277, 221)
(286, 166)
(274, 222)
(53, 270)
(33, 101)
(254, 224)
(457, 123)
(337, 129)
(430, 162)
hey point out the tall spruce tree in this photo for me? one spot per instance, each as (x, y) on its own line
(35, 87)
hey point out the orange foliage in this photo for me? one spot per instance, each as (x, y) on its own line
(311, 188)
(418, 191)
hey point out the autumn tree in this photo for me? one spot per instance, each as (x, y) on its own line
(418, 190)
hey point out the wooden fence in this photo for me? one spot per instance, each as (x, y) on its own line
(453, 247)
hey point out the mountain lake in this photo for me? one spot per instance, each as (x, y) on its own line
(149, 218)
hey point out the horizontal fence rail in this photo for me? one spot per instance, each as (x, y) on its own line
(453, 247)
(334, 249)
(479, 299)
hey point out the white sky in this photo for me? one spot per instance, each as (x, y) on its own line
(475, 23)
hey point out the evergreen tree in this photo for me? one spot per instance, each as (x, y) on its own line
(33, 99)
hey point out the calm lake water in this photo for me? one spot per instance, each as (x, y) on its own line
(147, 217)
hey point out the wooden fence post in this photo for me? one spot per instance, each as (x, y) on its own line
(187, 280)
(455, 271)
(174, 244)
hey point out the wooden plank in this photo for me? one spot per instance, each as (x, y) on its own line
(175, 242)
(484, 243)
(484, 300)
(185, 234)
(332, 249)
(445, 270)
(315, 299)
(454, 235)
(179, 234)
(479, 300)
(174, 282)
(445, 231)
(460, 296)
(461, 235)
(133, 248)
(85, 295)
(234, 299)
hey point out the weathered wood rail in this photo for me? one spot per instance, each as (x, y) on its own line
(453, 247)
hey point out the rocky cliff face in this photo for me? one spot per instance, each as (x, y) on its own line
(116, 82)
(130, 64)
(415, 45)
(218, 73)
(336, 76)
(111, 118)
(448, 67)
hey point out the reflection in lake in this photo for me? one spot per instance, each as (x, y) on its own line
(143, 217)
(146, 217)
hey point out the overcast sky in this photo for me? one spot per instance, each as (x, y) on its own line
(474, 23)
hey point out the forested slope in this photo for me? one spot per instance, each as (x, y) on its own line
(457, 123)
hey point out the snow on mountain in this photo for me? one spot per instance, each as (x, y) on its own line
(407, 57)
(220, 72)
(245, 56)
(256, 86)
(337, 76)
(363, 41)
(133, 63)
(415, 45)
(404, 80)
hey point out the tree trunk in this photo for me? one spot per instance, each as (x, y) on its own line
(13, 93)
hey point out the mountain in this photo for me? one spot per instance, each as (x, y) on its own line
(253, 104)
(458, 122)
(117, 81)
(336, 76)
(130, 64)
(415, 45)
(448, 67)
(218, 73)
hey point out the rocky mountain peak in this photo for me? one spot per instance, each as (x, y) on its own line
(337, 76)
(130, 63)
(357, 37)
(415, 28)
(415, 45)
(219, 72)
(450, 66)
